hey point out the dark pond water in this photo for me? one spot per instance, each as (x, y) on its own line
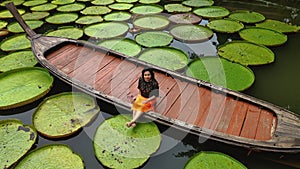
(278, 83)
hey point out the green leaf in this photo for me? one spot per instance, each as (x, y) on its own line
(107, 30)
(96, 10)
(35, 15)
(67, 32)
(149, 1)
(278, 26)
(17, 42)
(102, 2)
(6, 14)
(147, 9)
(16, 28)
(198, 3)
(247, 16)
(120, 6)
(191, 33)
(71, 7)
(62, 18)
(212, 12)
(3, 24)
(62, 2)
(34, 2)
(16, 2)
(225, 25)
(185, 18)
(87, 20)
(151, 22)
(154, 39)
(44, 7)
(17, 60)
(177, 8)
(117, 16)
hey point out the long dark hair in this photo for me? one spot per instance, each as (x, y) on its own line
(151, 73)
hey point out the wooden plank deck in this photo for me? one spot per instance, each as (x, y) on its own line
(190, 103)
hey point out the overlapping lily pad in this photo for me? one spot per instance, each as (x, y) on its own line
(34, 3)
(71, 7)
(64, 114)
(52, 156)
(198, 3)
(225, 25)
(106, 30)
(6, 14)
(213, 160)
(102, 2)
(246, 53)
(247, 16)
(120, 6)
(191, 33)
(212, 12)
(17, 60)
(23, 86)
(185, 18)
(172, 8)
(166, 57)
(87, 20)
(16, 28)
(221, 72)
(17, 42)
(96, 10)
(117, 16)
(154, 39)
(15, 141)
(62, 18)
(35, 15)
(278, 26)
(146, 9)
(263, 36)
(151, 22)
(116, 146)
(44, 7)
(123, 45)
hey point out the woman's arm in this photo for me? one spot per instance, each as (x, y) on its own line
(149, 99)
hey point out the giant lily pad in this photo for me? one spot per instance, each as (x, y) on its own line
(44, 7)
(122, 45)
(107, 29)
(17, 42)
(87, 20)
(62, 18)
(147, 9)
(116, 146)
(198, 3)
(16, 2)
(34, 2)
(17, 60)
(149, 1)
(23, 86)
(213, 160)
(64, 114)
(166, 57)
(247, 16)
(263, 36)
(246, 53)
(126, 1)
(102, 2)
(15, 141)
(96, 10)
(212, 12)
(3, 24)
(185, 18)
(6, 14)
(225, 25)
(221, 72)
(117, 16)
(71, 7)
(154, 39)
(278, 26)
(177, 8)
(151, 22)
(16, 28)
(35, 15)
(62, 2)
(191, 33)
(67, 32)
(120, 6)
(51, 156)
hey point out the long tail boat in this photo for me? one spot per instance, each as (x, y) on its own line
(186, 103)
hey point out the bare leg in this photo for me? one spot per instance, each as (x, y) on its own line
(137, 114)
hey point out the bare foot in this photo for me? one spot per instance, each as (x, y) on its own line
(133, 124)
(130, 124)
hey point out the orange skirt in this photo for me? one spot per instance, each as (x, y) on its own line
(139, 106)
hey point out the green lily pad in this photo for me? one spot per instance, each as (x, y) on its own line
(67, 32)
(64, 114)
(128, 148)
(51, 156)
(151, 22)
(107, 30)
(62, 2)
(15, 141)
(102, 2)
(120, 6)
(23, 86)
(247, 16)
(166, 57)
(17, 60)
(146, 9)
(191, 33)
(221, 72)
(71, 7)
(44, 7)
(87, 20)
(62, 18)
(263, 36)
(35, 15)
(16, 28)
(198, 3)
(34, 3)
(16, 2)
(213, 160)
(6, 14)
(127, 1)
(185, 18)
(246, 53)
(149, 1)
(225, 25)
(3, 24)
(154, 39)
(17, 42)
(278, 26)
(212, 12)
(95, 10)
(117, 16)
(177, 8)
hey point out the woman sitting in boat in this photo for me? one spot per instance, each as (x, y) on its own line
(146, 99)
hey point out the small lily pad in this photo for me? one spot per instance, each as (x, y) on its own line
(213, 160)
(62, 2)
(151, 22)
(16, 28)
(95, 10)
(263, 36)
(3, 24)
(17, 42)
(191, 33)
(185, 18)
(44, 7)
(172, 8)
(34, 3)
(17, 60)
(35, 15)
(64, 114)
(122, 45)
(149, 1)
(6, 14)
(128, 148)
(62, 18)
(225, 25)
(51, 156)
(247, 16)
(146, 9)
(278, 26)
(212, 12)
(198, 3)
(246, 53)
(71, 7)
(15, 141)
(102, 2)
(154, 39)
(107, 30)
(120, 6)
(221, 72)
(87, 20)
(166, 57)
(117, 16)
(67, 32)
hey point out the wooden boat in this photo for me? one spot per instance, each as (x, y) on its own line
(186, 103)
